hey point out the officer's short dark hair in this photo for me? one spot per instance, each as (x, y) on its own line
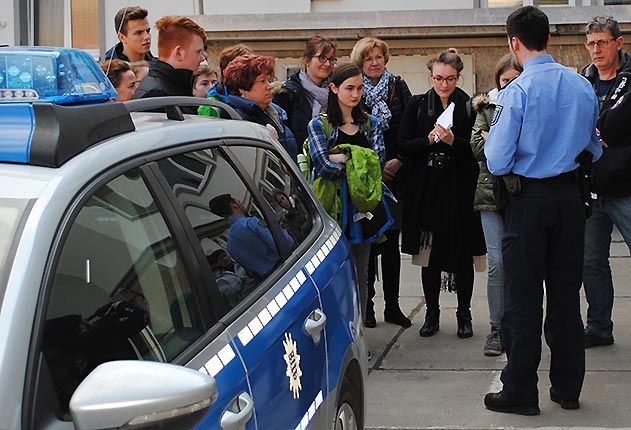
(601, 24)
(531, 26)
(126, 14)
(220, 205)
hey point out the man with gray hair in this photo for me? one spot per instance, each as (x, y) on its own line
(609, 74)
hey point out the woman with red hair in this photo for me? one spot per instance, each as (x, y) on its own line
(248, 79)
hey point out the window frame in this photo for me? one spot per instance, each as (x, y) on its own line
(229, 315)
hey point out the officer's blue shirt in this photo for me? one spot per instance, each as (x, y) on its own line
(543, 120)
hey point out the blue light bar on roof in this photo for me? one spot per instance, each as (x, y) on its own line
(18, 124)
(57, 75)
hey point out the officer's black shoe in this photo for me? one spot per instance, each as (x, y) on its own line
(498, 402)
(570, 404)
(370, 321)
(592, 339)
(397, 317)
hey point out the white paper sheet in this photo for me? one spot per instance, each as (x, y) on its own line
(446, 119)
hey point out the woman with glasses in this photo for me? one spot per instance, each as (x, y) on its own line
(385, 96)
(484, 104)
(248, 79)
(440, 229)
(305, 93)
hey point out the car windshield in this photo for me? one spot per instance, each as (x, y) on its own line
(11, 213)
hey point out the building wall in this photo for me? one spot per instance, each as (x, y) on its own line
(413, 36)
(156, 9)
(257, 6)
(7, 26)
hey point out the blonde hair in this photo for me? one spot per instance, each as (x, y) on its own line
(363, 47)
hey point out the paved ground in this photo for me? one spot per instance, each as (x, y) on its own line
(440, 382)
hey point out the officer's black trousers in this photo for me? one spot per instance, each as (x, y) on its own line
(543, 241)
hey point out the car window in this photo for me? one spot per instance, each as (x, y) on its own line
(227, 219)
(280, 188)
(120, 290)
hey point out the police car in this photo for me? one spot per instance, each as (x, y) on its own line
(120, 304)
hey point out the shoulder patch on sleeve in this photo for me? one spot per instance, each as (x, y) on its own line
(496, 114)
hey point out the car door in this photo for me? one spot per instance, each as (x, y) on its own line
(273, 309)
(282, 338)
(126, 285)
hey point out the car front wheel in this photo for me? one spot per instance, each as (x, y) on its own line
(348, 416)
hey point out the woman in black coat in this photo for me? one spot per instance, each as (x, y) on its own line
(439, 225)
(385, 96)
(305, 94)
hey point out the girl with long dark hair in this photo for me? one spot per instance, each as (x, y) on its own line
(346, 124)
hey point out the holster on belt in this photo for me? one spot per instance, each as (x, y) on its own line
(504, 188)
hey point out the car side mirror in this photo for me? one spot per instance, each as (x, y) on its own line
(141, 393)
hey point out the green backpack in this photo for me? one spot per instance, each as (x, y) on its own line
(304, 159)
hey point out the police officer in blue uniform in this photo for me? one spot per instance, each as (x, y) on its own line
(544, 119)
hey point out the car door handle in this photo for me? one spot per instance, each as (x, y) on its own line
(238, 413)
(314, 324)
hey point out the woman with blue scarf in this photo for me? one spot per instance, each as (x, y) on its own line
(385, 96)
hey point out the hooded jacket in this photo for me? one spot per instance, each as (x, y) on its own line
(612, 172)
(116, 52)
(276, 117)
(164, 80)
(484, 105)
(293, 99)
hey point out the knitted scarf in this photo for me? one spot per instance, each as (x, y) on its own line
(318, 96)
(376, 98)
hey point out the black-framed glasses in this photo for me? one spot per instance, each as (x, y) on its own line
(323, 59)
(449, 79)
(600, 43)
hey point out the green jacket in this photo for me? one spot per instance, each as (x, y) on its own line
(484, 105)
(363, 174)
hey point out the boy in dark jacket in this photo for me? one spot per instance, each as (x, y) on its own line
(180, 51)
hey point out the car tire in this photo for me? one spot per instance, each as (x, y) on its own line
(349, 411)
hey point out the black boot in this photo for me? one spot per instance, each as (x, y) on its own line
(394, 315)
(465, 328)
(432, 323)
(370, 321)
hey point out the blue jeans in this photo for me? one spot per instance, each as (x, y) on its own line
(493, 229)
(596, 271)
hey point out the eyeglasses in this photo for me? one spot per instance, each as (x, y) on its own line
(450, 80)
(323, 59)
(600, 43)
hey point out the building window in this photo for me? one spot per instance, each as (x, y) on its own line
(505, 3)
(552, 2)
(85, 19)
